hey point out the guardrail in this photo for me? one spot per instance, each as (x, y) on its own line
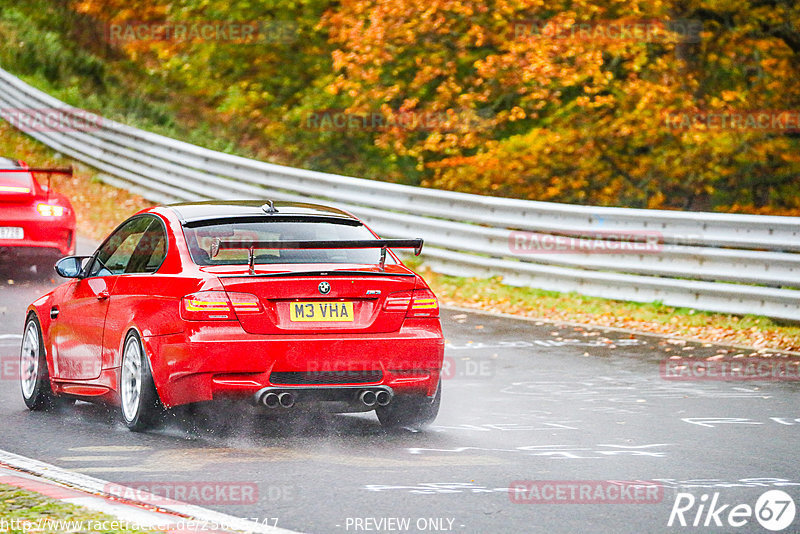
(711, 261)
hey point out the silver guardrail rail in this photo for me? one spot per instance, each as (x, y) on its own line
(741, 264)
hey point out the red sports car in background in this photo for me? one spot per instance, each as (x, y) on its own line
(37, 225)
(283, 304)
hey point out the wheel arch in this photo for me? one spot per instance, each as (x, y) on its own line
(44, 332)
(146, 350)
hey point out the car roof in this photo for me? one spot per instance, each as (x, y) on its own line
(8, 163)
(189, 212)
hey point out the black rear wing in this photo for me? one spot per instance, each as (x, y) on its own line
(66, 170)
(251, 246)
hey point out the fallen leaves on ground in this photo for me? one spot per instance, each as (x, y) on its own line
(706, 327)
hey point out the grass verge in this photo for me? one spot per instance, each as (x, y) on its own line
(492, 295)
(26, 511)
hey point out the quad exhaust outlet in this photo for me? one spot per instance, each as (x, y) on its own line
(273, 400)
(270, 400)
(369, 396)
(382, 398)
(286, 400)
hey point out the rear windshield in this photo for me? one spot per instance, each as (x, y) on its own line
(200, 240)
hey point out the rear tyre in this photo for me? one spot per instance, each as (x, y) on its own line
(139, 402)
(410, 412)
(33, 375)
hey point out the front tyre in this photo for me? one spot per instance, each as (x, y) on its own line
(33, 375)
(139, 402)
(410, 412)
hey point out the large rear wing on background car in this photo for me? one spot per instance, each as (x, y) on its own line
(42, 170)
(66, 170)
(252, 246)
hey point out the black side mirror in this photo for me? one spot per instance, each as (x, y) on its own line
(70, 267)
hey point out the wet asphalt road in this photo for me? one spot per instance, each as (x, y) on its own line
(523, 401)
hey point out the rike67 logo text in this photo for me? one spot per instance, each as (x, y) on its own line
(774, 510)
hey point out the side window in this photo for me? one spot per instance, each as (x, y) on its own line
(115, 254)
(151, 250)
(159, 252)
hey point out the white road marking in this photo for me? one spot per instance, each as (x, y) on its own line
(93, 458)
(122, 469)
(111, 448)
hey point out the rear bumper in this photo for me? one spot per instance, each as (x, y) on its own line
(43, 236)
(228, 362)
(33, 251)
(52, 241)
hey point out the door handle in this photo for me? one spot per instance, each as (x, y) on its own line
(103, 295)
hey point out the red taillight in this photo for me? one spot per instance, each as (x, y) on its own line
(244, 303)
(397, 302)
(417, 303)
(423, 304)
(218, 305)
(206, 306)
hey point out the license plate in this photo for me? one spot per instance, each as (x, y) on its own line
(321, 311)
(11, 232)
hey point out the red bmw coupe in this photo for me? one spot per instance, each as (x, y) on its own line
(37, 225)
(284, 304)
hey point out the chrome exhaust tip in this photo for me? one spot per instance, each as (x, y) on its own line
(286, 400)
(270, 400)
(383, 398)
(368, 397)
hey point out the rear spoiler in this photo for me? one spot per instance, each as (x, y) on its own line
(44, 170)
(251, 246)
(65, 170)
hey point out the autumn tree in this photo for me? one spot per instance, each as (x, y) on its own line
(580, 117)
(519, 98)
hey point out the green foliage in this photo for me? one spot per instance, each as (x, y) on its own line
(57, 50)
(21, 507)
